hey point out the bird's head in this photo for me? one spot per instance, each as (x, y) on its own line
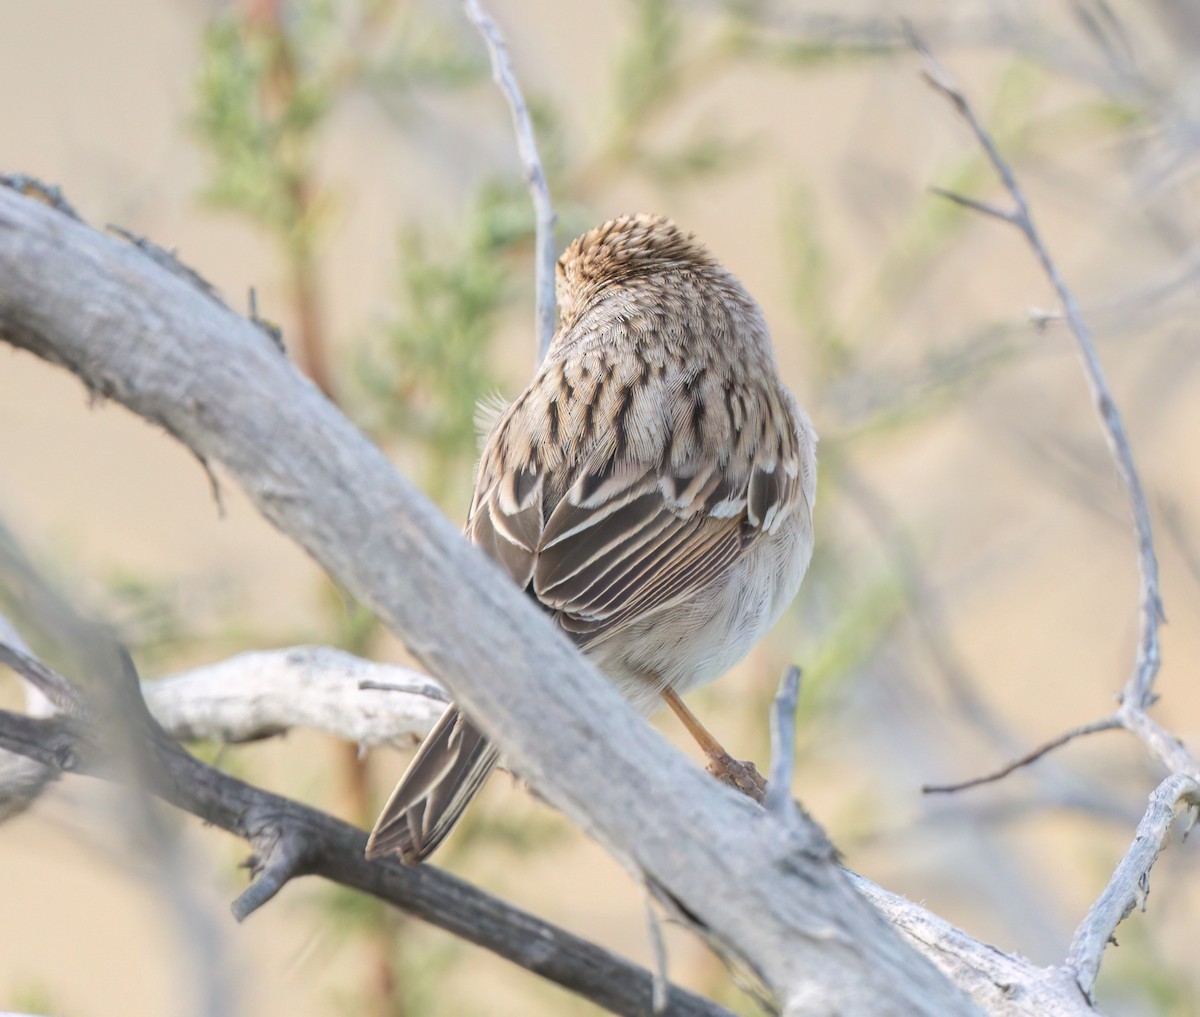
(625, 248)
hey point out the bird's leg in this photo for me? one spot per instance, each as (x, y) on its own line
(737, 773)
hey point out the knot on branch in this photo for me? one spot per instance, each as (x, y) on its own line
(278, 855)
(31, 187)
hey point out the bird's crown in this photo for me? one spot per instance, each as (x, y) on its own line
(628, 246)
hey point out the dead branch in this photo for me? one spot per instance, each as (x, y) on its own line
(290, 840)
(261, 694)
(1000, 982)
(1140, 686)
(1130, 883)
(535, 176)
(1137, 695)
(1104, 724)
(778, 799)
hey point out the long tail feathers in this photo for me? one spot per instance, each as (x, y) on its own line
(448, 769)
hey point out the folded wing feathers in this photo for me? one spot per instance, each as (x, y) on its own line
(699, 565)
(443, 777)
(624, 539)
(615, 586)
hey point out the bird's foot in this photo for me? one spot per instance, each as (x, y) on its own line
(740, 774)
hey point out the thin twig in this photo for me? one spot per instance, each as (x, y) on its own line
(1140, 685)
(535, 176)
(427, 689)
(658, 948)
(1104, 724)
(51, 684)
(778, 799)
(1137, 693)
(1130, 883)
(336, 852)
(984, 207)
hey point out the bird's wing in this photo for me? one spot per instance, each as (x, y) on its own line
(619, 547)
(618, 538)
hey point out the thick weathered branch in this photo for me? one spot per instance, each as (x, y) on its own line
(130, 748)
(264, 693)
(1001, 983)
(766, 893)
(260, 695)
(257, 695)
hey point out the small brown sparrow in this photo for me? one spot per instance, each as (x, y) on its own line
(652, 487)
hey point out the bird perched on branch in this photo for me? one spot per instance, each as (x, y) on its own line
(652, 487)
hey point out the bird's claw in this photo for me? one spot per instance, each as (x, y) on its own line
(740, 774)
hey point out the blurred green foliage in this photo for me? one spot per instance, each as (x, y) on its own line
(34, 996)
(423, 375)
(648, 71)
(1135, 976)
(258, 110)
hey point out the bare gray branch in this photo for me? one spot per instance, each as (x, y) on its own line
(257, 695)
(320, 845)
(1001, 983)
(1140, 686)
(1137, 694)
(1130, 883)
(535, 176)
(1104, 724)
(778, 800)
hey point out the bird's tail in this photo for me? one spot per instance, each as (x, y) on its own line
(448, 769)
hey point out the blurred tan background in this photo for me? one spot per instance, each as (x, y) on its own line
(974, 590)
